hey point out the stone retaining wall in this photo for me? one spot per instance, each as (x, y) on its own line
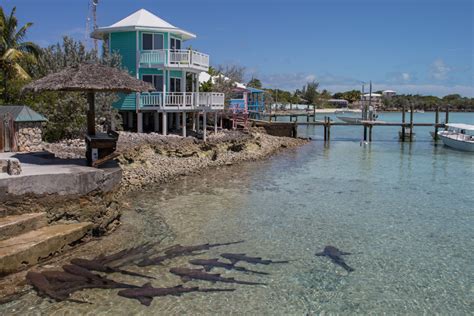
(29, 136)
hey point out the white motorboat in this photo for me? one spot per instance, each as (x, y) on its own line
(458, 136)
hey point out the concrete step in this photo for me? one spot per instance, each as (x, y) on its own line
(27, 249)
(19, 224)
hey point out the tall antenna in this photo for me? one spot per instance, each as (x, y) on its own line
(91, 23)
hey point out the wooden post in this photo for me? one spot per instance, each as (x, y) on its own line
(164, 123)
(403, 123)
(204, 126)
(412, 110)
(436, 123)
(325, 129)
(91, 114)
(184, 124)
(329, 128)
(446, 121)
(307, 117)
(365, 132)
(221, 119)
(215, 122)
(370, 132)
(139, 122)
(314, 113)
(156, 124)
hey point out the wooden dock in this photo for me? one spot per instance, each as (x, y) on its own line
(367, 125)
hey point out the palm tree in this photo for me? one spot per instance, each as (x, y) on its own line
(13, 50)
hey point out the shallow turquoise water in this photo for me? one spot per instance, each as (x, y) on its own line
(404, 209)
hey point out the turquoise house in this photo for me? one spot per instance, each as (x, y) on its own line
(153, 51)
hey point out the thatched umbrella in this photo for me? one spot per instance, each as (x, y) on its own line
(89, 78)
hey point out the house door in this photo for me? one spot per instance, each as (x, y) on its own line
(175, 85)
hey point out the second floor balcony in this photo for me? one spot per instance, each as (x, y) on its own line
(172, 58)
(179, 101)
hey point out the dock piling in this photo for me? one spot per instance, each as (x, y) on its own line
(329, 128)
(412, 110)
(403, 123)
(370, 133)
(446, 121)
(325, 129)
(436, 123)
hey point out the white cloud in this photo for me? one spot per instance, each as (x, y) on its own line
(439, 70)
(406, 76)
(400, 77)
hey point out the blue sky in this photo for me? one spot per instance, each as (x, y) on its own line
(412, 46)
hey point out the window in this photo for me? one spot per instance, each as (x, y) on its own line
(175, 84)
(175, 43)
(155, 80)
(152, 41)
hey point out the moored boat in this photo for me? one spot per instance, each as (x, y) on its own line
(458, 136)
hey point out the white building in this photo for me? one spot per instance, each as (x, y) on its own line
(388, 93)
(374, 98)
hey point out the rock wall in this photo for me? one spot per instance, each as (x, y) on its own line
(29, 136)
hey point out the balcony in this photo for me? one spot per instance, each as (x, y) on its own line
(179, 101)
(172, 58)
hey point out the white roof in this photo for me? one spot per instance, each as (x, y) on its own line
(204, 77)
(467, 127)
(142, 20)
(389, 91)
(373, 94)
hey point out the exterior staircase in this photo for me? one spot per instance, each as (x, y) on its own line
(25, 239)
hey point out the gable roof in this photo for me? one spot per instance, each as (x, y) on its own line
(142, 20)
(22, 113)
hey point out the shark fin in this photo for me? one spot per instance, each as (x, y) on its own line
(145, 300)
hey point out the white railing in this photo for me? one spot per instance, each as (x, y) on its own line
(182, 101)
(200, 59)
(173, 57)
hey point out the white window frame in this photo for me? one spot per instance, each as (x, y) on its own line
(153, 41)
